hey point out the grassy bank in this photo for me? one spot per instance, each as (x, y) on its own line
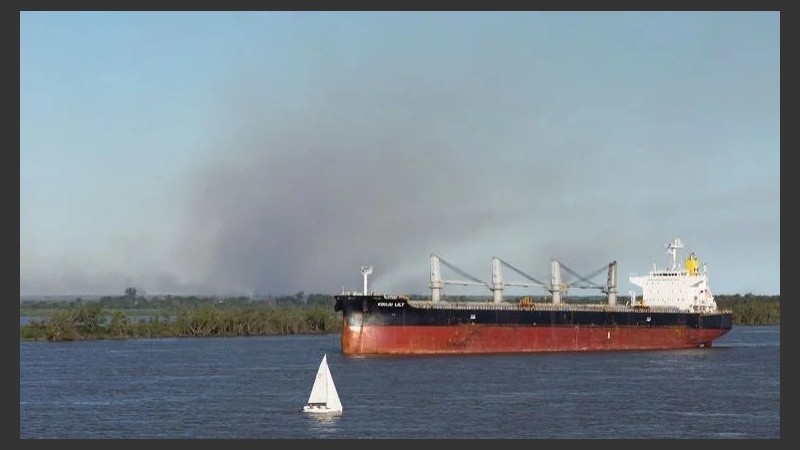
(131, 317)
(93, 322)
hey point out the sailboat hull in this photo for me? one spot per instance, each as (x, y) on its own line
(320, 409)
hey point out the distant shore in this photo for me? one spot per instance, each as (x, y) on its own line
(128, 316)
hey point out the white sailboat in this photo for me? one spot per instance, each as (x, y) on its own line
(323, 398)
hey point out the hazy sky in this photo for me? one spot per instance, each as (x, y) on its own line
(239, 152)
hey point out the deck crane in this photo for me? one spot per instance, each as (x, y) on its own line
(436, 277)
(556, 287)
(610, 288)
(498, 284)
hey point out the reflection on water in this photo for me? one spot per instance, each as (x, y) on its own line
(324, 425)
(327, 418)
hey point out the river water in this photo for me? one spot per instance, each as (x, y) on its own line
(255, 387)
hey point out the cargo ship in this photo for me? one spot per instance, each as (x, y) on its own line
(675, 310)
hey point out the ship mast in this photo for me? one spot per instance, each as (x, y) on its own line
(672, 249)
(366, 270)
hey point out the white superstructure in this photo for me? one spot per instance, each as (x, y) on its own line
(683, 288)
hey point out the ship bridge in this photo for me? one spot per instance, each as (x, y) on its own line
(683, 288)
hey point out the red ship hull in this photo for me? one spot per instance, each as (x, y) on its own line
(474, 338)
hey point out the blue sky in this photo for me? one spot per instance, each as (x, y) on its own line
(261, 152)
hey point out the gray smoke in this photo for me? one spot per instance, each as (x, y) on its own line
(297, 196)
(387, 175)
(365, 176)
(328, 154)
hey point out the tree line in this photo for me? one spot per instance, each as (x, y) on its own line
(750, 309)
(92, 321)
(122, 317)
(132, 300)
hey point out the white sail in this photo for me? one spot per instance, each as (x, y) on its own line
(333, 397)
(323, 397)
(319, 392)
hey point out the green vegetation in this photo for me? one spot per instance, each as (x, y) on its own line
(137, 317)
(752, 309)
(131, 316)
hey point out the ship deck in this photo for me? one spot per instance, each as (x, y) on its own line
(491, 306)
